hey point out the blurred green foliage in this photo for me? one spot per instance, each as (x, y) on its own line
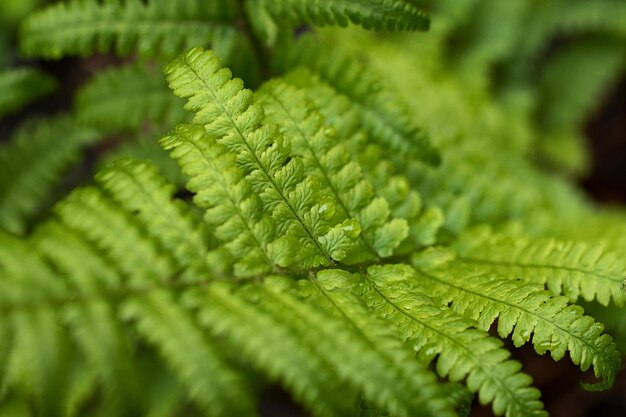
(380, 194)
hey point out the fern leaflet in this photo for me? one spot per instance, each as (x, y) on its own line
(388, 359)
(221, 188)
(301, 212)
(462, 351)
(140, 189)
(341, 120)
(272, 345)
(125, 99)
(343, 179)
(386, 120)
(32, 164)
(156, 26)
(371, 14)
(523, 310)
(184, 346)
(571, 268)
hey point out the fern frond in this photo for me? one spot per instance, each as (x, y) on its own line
(271, 345)
(302, 213)
(125, 98)
(303, 258)
(78, 300)
(574, 269)
(523, 311)
(371, 14)
(376, 344)
(32, 372)
(123, 233)
(343, 180)
(341, 117)
(386, 119)
(341, 121)
(153, 27)
(62, 246)
(139, 189)
(111, 230)
(275, 328)
(21, 86)
(32, 163)
(425, 221)
(127, 253)
(107, 349)
(221, 188)
(37, 372)
(463, 352)
(200, 366)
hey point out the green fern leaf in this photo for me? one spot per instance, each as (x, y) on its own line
(31, 371)
(337, 345)
(342, 179)
(380, 347)
(571, 268)
(270, 344)
(144, 195)
(200, 367)
(301, 212)
(386, 120)
(462, 351)
(523, 311)
(371, 14)
(62, 246)
(306, 194)
(341, 121)
(138, 188)
(127, 98)
(156, 26)
(32, 164)
(221, 189)
(21, 86)
(115, 233)
(107, 349)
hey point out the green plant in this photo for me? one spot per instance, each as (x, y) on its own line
(352, 229)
